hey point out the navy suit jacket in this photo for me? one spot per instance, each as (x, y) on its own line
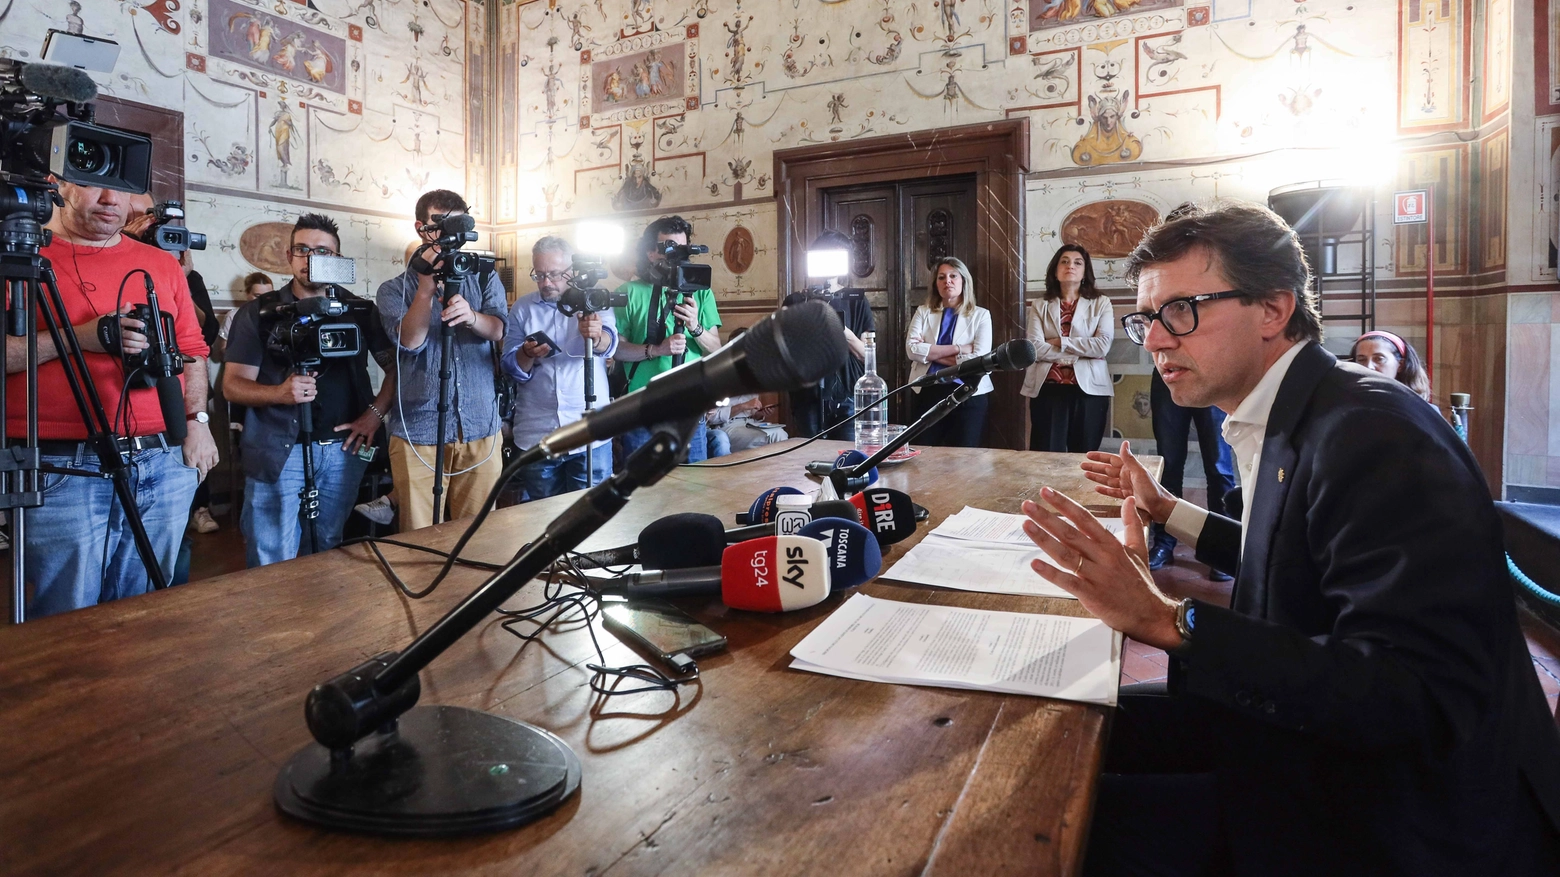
(1379, 710)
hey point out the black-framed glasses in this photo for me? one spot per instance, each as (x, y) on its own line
(302, 251)
(1178, 315)
(539, 276)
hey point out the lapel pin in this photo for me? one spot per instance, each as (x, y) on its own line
(1280, 476)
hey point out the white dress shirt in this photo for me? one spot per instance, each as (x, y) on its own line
(1244, 429)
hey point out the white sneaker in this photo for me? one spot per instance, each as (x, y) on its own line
(202, 521)
(381, 511)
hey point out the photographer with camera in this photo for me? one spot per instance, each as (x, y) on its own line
(551, 381)
(833, 398)
(282, 364)
(79, 550)
(662, 324)
(411, 307)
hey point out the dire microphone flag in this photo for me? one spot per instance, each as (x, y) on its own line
(887, 512)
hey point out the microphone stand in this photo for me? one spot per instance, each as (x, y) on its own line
(450, 286)
(840, 478)
(379, 765)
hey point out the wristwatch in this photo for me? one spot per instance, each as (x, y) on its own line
(1185, 620)
(694, 333)
(198, 417)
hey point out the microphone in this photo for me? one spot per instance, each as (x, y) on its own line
(854, 553)
(170, 397)
(771, 574)
(1014, 355)
(59, 83)
(676, 541)
(887, 512)
(829, 508)
(785, 351)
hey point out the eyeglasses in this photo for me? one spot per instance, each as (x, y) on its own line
(1178, 315)
(539, 276)
(302, 251)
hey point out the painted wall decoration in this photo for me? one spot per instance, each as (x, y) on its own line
(737, 250)
(1433, 37)
(1546, 57)
(1109, 229)
(343, 107)
(1446, 168)
(1494, 176)
(1495, 80)
(1044, 14)
(629, 81)
(254, 38)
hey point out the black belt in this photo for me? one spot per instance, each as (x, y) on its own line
(126, 444)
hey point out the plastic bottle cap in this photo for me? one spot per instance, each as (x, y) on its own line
(800, 502)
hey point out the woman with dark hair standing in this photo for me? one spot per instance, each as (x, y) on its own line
(944, 332)
(1069, 386)
(1390, 355)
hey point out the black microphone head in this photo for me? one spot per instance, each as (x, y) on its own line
(1016, 354)
(56, 82)
(795, 347)
(682, 541)
(888, 513)
(836, 508)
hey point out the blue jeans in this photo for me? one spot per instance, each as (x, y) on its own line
(272, 530)
(1172, 429)
(79, 548)
(639, 436)
(716, 443)
(552, 477)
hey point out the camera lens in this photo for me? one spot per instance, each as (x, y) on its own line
(89, 157)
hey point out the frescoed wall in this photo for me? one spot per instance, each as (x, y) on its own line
(349, 107)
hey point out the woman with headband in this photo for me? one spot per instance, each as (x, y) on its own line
(1390, 355)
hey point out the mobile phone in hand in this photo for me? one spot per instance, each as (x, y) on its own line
(540, 337)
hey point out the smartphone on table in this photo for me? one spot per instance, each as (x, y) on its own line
(662, 630)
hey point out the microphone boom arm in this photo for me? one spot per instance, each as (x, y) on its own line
(371, 696)
(841, 477)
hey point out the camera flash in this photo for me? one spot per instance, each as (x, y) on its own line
(599, 238)
(828, 263)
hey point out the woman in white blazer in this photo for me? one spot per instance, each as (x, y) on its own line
(944, 332)
(1069, 386)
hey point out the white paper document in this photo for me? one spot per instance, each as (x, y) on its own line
(981, 525)
(974, 566)
(952, 647)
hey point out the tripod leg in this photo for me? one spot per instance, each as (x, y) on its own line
(99, 427)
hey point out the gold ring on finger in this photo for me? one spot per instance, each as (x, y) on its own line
(1079, 566)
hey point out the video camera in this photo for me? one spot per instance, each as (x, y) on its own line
(455, 231)
(583, 295)
(175, 238)
(303, 331)
(678, 274)
(37, 141)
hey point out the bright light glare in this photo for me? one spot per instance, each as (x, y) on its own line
(828, 263)
(599, 238)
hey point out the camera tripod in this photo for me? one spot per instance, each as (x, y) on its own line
(31, 288)
(449, 285)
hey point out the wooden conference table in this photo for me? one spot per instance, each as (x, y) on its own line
(143, 736)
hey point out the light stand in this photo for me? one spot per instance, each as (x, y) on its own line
(30, 288)
(451, 285)
(381, 765)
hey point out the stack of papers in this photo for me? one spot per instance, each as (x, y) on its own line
(980, 550)
(947, 646)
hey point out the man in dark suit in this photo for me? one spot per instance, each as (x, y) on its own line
(1367, 704)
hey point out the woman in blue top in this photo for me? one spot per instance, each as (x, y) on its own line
(944, 332)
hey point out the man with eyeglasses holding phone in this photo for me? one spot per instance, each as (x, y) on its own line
(550, 389)
(412, 310)
(1366, 705)
(346, 410)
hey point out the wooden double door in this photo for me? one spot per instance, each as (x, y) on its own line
(898, 230)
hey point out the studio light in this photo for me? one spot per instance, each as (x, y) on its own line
(827, 263)
(599, 238)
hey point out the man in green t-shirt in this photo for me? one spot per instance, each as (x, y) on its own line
(655, 327)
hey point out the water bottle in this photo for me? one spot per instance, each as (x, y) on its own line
(1461, 405)
(870, 416)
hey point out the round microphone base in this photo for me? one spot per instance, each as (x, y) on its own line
(444, 770)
